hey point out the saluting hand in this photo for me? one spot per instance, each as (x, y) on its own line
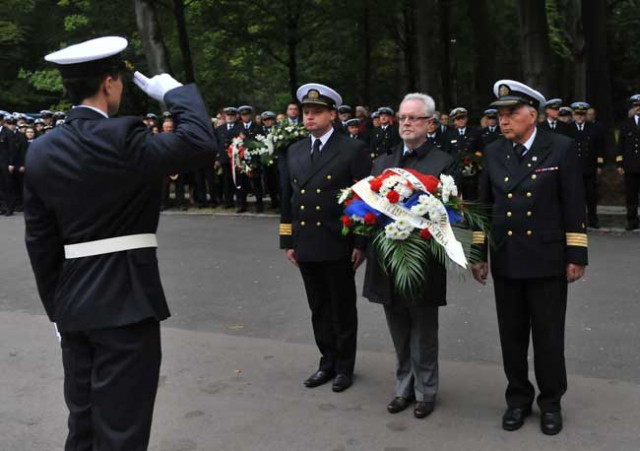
(156, 87)
(574, 272)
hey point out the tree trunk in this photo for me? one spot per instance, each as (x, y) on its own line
(483, 52)
(366, 64)
(599, 92)
(152, 43)
(410, 52)
(536, 50)
(183, 38)
(445, 42)
(428, 47)
(579, 63)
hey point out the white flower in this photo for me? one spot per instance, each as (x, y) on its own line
(423, 199)
(344, 195)
(356, 218)
(419, 209)
(404, 191)
(384, 191)
(389, 182)
(402, 224)
(447, 187)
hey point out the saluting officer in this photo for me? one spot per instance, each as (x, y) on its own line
(628, 161)
(465, 145)
(92, 205)
(552, 123)
(491, 132)
(532, 183)
(590, 147)
(386, 135)
(316, 170)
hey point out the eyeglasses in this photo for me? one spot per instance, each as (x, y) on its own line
(412, 119)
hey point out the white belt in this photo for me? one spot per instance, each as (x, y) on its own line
(110, 245)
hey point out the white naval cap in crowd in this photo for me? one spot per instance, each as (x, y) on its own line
(318, 94)
(511, 92)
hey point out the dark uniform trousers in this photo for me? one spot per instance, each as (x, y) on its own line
(537, 306)
(103, 368)
(206, 183)
(310, 225)
(628, 157)
(331, 293)
(590, 182)
(537, 210)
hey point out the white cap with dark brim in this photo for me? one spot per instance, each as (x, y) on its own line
(318, 94)
(511, 93)
(91, 57)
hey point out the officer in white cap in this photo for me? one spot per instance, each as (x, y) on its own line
(271, 176)
(92, 203)
(466, 146)
(590, 147)
(553, 123)
(533, 183)
(316, 170)
(628, 160)
(386, 136)
(491, 131)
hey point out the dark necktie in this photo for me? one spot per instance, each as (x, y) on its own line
(315, 151)
(553, 125)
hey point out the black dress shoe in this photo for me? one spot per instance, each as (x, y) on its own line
(594, 224)
(632, 225)
(513, 418)
(398, 404)
(423, 408)
(319, 378)
(342, 382)
(551, 423)
(259, 208)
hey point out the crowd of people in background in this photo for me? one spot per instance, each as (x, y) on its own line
(215, 185)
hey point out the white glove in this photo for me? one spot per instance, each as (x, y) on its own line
(156, 87)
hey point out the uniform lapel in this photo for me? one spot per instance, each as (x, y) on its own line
(329, 152)
(303, 158)
(536, 156)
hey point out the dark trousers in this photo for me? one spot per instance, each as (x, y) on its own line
(631, 187)
(110, 383)
(228, 188)
(206, 183)
(469, 188)
(18, 183)
(272, 184)
(179, 190)
(331, 292)
(535, 307)
(7, 199)
(248, 184)
(591, 196)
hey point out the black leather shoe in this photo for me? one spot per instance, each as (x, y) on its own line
(513, 418)
(594, 224)
(551, 423)
(318, 378)
(259, 208)
(423, 408)
(398, 404)
(342, 382)
(632, 225)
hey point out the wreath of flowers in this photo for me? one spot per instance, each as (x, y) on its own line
(410, 216)
(285, 134)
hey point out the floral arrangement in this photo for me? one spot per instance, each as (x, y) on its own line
(284, 134)
(471, 164)
(247, 155)
(410, 216)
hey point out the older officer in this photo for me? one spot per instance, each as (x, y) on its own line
(590, 147)
(92, 204)
(413, 322)
(628, 161)
(533, 183)
(317, 168)
(8, 151)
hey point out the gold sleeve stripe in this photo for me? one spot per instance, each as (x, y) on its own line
(286, 229)
(577, 239)
(600, 160)
(478, 238)
(619, 158)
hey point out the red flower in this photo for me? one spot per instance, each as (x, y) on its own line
(393, 196)
(370, 219)
(375, 185)
(430, 182)
(425, 234)
(346, 221)
(467, 161)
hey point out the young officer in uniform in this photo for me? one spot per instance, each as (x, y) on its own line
(316, 170)
(92, 204)
(533, 184)
(628, 161)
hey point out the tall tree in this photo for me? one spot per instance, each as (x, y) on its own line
(183, 39)
(444, 13)
(534, 41)
(483, 51)
(153, 45)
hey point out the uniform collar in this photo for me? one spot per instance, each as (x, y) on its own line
(97, 110)
(323, 139)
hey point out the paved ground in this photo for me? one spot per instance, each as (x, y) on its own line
(239, 345)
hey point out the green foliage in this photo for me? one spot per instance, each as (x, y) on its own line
(75, 22)
(44, 80)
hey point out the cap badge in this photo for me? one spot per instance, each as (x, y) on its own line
(504, 90)
(313, 94)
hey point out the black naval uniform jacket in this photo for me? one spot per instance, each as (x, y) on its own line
(311, 218)
(95, 178)
(7, 148)
(489, 136)
(378, 288)
(224, 135)
(441, 140)
(628, 155)
(537, 208)
(589, 146)
(383, 139)
(561, 127)
(465, 145)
